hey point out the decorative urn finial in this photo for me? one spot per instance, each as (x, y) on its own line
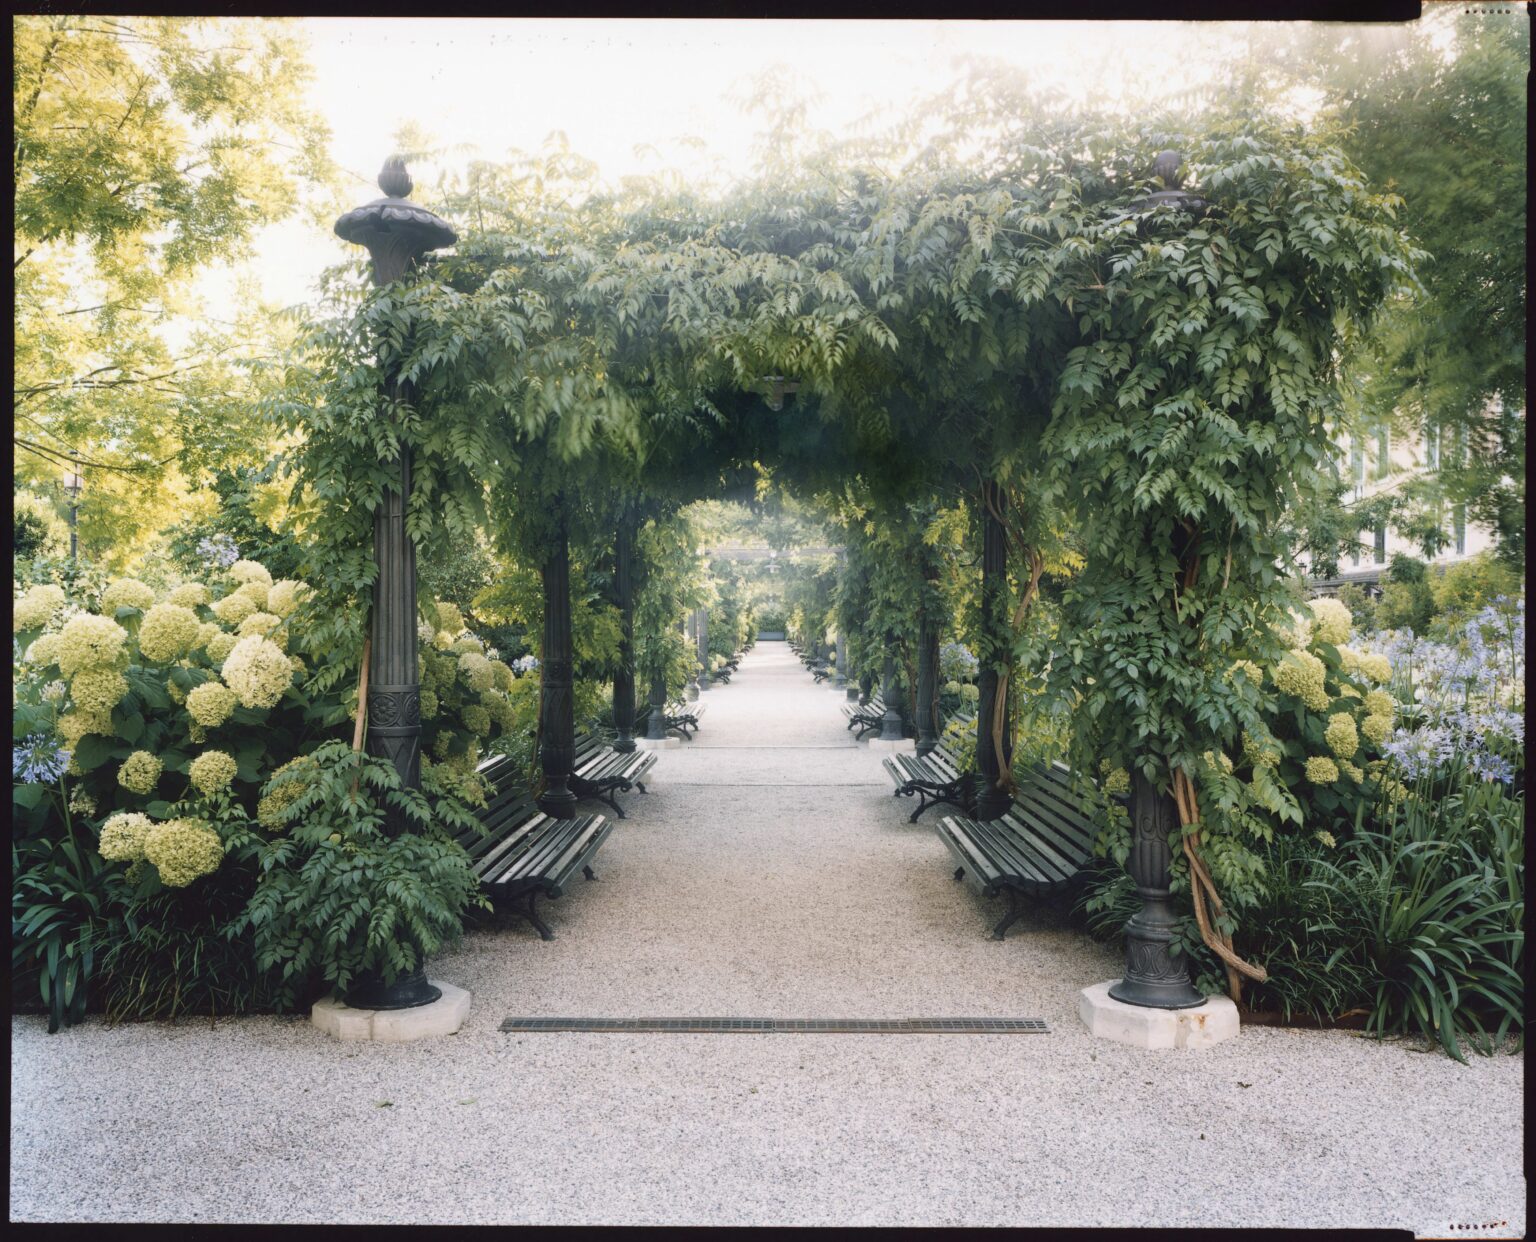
(395, 180)
(1165, 167)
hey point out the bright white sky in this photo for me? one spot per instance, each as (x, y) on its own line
(614, 85)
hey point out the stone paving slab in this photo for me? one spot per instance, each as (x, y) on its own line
(812, 901)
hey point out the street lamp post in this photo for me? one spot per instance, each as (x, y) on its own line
(73, 482)
(1156, 975)
(397, 234)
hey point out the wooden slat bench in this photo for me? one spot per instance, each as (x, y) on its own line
(935, 777)
(681, 719)
(865, 717)
(523, 853)
(601, 771)
(1040, 846)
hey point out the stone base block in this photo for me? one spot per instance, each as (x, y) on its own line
(443, 1016)
(902, 743)
(666, 743)
(1199, 1027)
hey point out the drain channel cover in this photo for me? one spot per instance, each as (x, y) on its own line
(790, 1026)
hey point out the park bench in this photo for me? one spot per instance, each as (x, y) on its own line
(865, 717)
(1040, 846)
(935, 777)
(681, 719)
(820, 672)
(520, 852)
(600, 771)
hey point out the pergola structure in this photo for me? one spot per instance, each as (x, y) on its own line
(399, 234)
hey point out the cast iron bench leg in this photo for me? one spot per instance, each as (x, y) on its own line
(532, 916)
(1014, 910)
(588, 872)
(640, 785)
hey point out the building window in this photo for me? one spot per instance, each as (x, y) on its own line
(1383, 452)
(1432, 448)
(1381, 544)
(1460, 513)
(1354, 551)
(1357, 461)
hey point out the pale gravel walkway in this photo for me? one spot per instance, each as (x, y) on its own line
(769, 873)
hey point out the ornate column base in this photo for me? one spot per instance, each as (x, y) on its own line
(1214, 1019)
(442, 1016)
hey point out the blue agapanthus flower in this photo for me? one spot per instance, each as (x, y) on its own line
(218, 550)
(38, 760)
(525, 664)
(956, 663)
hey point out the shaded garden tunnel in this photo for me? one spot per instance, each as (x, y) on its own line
(1064, 337)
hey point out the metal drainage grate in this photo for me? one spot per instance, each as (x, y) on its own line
(791, 1026)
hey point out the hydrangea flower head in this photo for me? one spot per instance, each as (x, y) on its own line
(182, 850)
(36, 606)
(1322, 770)
(167, 632)
(98, 690)
(140, 772)
(190, 595)
(89, 641)
(250, 571)
(211, 703)
(1342, 737)
(122, 837)
(1332, 622)
(212, 771)
(258, 671)
(125, 593)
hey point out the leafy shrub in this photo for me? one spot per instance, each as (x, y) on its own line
(1463, 589)
(150, 726)
(338, 895)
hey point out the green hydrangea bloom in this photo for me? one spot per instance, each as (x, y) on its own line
(182, 850)
(284, 787)
(36, 606)
(477, 720)
(89, 641)
(167, 631)
(1351, 771)
(126, 593)
(212, 771)
(1303, 675)
(1259, 754)
(1332, 622)
(122, 837)
(283, 598)
(1376, 729)
(477, 671)
(267, 625)
(72, 726)
(428, 704)
(1117, 782)
(190, 595)
(140, 772)
(233, 609)
(1342, 738)
(468, 643)
(45, 650)
(1322, 770)
(1248, 669)
(257, 671)
(449, 619)
(250, 571)
(1380, 703)
(219, 647)
(97, 691)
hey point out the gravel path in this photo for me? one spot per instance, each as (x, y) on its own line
(768, 873)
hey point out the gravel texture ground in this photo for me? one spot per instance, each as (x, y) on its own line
(768, 873)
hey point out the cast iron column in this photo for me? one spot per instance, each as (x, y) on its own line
(927, 687)
(656, 720)
(397, 234)
(557, 742)
(691, 633)
(890, 723)
(624, 597)
(991, 801)
(1156, 975)
(840, 682)
(704, 682)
